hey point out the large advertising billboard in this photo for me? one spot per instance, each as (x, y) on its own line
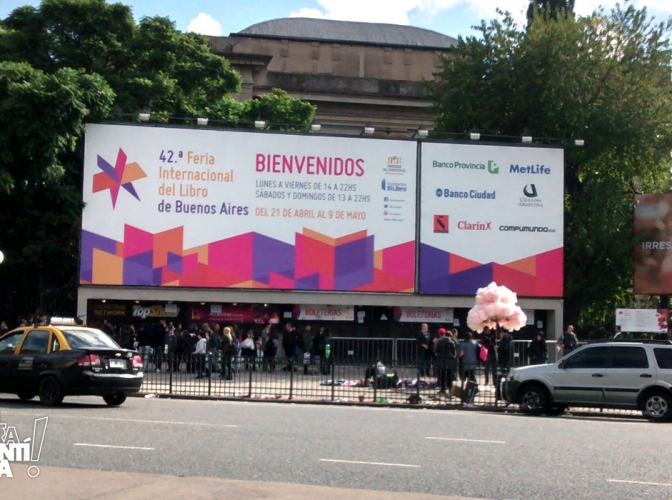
(226, 209)
(491, 213)
(653, 250)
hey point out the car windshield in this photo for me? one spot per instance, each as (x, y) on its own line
(80, 338)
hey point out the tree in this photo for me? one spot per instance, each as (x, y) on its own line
(551, 8)
(72, 60)
(604, 78)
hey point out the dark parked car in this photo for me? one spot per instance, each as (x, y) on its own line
(62, 360)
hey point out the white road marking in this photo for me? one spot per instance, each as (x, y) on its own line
(366, 463)
(467, 440)
(113, 446)
(637, 482)
(169, 422)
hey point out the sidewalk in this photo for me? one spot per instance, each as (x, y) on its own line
(56, 483)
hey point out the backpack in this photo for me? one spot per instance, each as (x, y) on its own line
(386, 381)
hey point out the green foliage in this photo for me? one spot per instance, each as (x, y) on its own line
(279, 109)
(604, 78)
(549, 8)
(41, 120)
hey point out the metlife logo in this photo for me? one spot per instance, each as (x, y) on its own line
(530, 169)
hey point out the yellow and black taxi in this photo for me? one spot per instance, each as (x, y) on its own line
(65, 359)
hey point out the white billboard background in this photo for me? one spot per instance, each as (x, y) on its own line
(235, 153)
(493, 245)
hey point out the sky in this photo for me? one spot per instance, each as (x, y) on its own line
(450, 17)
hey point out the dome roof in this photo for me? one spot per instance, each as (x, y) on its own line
(349, 31)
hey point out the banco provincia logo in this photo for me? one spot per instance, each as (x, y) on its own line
(15, 450)
(122, 175)
(491, 167)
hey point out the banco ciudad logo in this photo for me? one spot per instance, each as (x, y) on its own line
(122, 175)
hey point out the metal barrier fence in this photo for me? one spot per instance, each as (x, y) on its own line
(337, 380)
(349, 376)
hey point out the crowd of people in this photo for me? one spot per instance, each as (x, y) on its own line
(452, 358)
(202, 348)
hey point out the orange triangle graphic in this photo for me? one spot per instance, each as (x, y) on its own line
(527, 265)
(458, 264)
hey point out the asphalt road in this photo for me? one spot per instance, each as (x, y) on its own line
(453, 453)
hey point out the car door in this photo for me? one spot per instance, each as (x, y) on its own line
(32, 357)
(629, 370)
(580, 377)
(8, 359)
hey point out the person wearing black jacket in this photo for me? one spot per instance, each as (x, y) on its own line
(171, 343)
(538, 350)
(445, 360)
(424, 343)
(289, 344)
(159, 341)
(145, 345)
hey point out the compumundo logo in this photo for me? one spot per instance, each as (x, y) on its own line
(122, 175)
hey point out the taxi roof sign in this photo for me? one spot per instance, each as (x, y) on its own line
(64, 321)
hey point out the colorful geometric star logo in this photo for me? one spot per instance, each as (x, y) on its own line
(121, 175)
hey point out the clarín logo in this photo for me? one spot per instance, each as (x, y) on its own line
(122, 175)
(531, 197)
(15, 450)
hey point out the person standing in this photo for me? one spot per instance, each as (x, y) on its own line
(271, 349)
(289, 345)
(423, 341)
(227, 353)
(159, 341)
(445, 360)
(469, 356)
(171, 348)
(504, 351)
(537, 350)
(567, 341)
(145, 345)
(200, 353)
(307, 349)
(490, 364)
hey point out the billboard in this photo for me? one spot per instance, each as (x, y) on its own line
(642, 320)
(239, 209)
(653, 250)
(491, 213)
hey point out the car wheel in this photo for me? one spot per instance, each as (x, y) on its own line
(533, 400)
(657, 406)
(26, 396)
(115, 399)
(51, 391)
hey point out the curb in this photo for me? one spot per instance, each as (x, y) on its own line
(406, 406)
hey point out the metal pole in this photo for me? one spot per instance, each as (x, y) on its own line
(291, 379)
